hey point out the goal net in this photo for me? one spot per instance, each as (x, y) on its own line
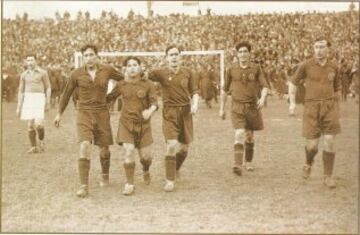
(156, 58)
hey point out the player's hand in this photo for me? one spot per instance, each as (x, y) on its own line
(194, 109)
(57, 120)
(222, 114)
(260, 103)
(146, 114)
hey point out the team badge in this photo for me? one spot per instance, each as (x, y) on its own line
(140, 93)
(251, 77)
(331, 76)
(243, 78)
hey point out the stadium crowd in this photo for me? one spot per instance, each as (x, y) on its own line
(280, 40)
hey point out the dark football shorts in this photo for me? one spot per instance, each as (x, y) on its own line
(94, 126)
(246, 116)
(177, 123)
(321, 117)
(134, 132)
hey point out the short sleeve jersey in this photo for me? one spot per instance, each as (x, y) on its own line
(35, 81)
(244, 83)
(136, 96)
(321, 82)
(177, 88)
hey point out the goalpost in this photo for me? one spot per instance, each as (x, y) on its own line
(78, 58)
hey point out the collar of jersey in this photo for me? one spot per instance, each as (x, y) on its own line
(98, 67)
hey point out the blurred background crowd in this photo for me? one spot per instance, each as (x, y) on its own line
(279, 40)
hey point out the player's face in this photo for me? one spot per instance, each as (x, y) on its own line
(321, 49)
(90, 57)
(30, 62)
(133, 69)
(243, 54)
(173, 57)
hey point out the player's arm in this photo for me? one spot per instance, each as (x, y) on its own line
(265, 88)
(47, 87)
(20, 95)
(194, 90)
(153, 75)
(152, 98)
(116, 75)
(224, 93)
(64, 99)
(337, 85)
(115, 93)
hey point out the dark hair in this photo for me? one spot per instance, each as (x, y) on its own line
(30, 55)
(131, 58)
(89, 46)
(323, 38)
(243, 44)
(168, 48)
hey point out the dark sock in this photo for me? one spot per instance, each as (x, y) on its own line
(170, 167)
(84, 167)
(41, 133)
(249, 151)
(32, 137)
(105, 162)
(328, 159)
(129, 171)
(146, 163)
(180, 158)
(310, 155)
(238, 154)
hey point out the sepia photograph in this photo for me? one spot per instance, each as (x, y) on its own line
(179, 117)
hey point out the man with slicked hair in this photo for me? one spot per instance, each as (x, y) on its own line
(139, 103)
(245, 81)
(180, 102)
(321, 107)
(93, 118)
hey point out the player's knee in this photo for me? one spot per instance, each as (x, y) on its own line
(239, 135)
(312, 146)
(146, 156)
(171, 147)
(129, 156)
(329, 143)
(39, 125)
(31, 126)
(104, 152)
(85, 147)
(145, 153)
(249, 138)
(129, 149)
(183, 148)
(39, 122)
